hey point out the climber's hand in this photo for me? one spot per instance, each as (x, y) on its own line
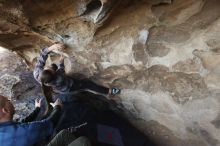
(62, 57)
(56, 47)
(38, 102)
(57, 102)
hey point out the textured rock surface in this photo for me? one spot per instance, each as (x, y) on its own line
(164, 54)
(17, 82)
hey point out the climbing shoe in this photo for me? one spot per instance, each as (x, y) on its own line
(115, 91)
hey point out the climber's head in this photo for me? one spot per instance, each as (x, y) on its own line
(7, 109)
(48, 77)
(52, 67)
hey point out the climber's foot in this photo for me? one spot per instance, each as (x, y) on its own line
(115, 91)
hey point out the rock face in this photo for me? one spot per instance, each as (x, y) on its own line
(17, 82)
(164, 54)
